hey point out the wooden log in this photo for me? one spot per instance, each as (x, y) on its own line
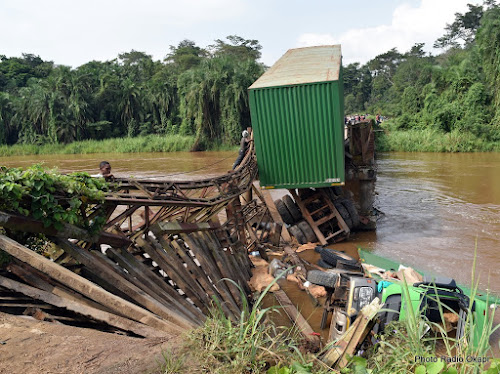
(85, 287)
(26, 224)
(75, 306)
(297, 318)
(109, 274)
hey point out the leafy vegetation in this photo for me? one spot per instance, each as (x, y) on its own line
(450, 96)
(51, 197)
(196, 92)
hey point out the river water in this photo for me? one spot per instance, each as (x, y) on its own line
(436, 207)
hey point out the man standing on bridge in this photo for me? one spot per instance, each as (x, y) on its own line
(245, 139)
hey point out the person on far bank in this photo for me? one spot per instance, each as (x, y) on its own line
(105, 171)
(245, 139)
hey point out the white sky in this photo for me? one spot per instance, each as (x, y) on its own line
(73, 32)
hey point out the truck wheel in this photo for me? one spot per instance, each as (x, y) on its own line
(343, 213)
(322, 278)
(348, 265)
(297, 233)
(292, 208)
(283, 211)
(307, 231)
(332, 256)
(324, 264)
(353, 213)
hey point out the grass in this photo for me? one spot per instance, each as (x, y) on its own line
(253, 344)
(150, 143)
(433, 141)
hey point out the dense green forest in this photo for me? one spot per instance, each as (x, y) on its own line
(194, 91)
(202, 92)
(456, 93)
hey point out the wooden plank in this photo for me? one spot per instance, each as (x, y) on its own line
(85, 287)
(225, 268)
(297, 318)
(109, 274)
(175, 270)
(157, 282)
(39, 280)
(307, 215)
(181, 269)
(178, 227)
(74, 306)
(26, 224)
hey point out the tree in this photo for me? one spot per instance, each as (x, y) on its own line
(463, 29)
(186, 55)
(237, 47)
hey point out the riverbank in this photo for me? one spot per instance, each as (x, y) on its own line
(432, 141)
(149, 143)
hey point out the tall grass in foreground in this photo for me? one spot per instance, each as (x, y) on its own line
(150, 143)
(253, 344)
(428, 140)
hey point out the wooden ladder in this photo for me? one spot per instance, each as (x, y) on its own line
(330, 213)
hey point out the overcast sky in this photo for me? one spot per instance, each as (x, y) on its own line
(73, 32)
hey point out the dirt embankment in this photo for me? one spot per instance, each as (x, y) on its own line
(28, 346)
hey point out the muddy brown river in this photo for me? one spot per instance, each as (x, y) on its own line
(436, 208)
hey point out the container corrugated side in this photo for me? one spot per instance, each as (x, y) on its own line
(298, 132)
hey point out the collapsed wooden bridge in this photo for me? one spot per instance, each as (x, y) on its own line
(167, 252)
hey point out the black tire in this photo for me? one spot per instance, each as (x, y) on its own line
(332, 257)
(353, 213)
(307, 231)
(343, 213)
(337, 190)
(292, 208)
(324, 264)
(318, 248)
(348, 265)
(322, 278)
(298, 234)
(283, 211)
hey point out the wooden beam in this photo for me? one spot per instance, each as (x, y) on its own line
(26, 224)
(75, 306)
(297, 318)
(109, 274)
(85, 287)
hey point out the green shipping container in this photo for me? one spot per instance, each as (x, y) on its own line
(297, 109)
